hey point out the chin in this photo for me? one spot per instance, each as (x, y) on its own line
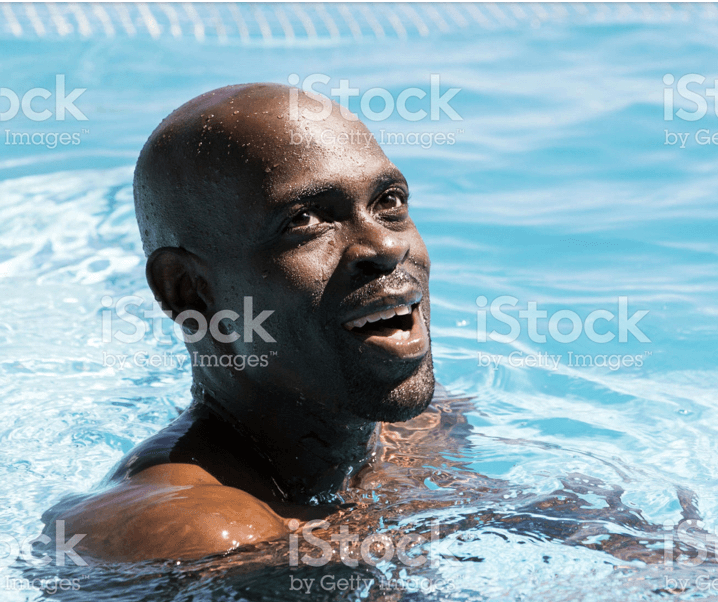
(378, 401)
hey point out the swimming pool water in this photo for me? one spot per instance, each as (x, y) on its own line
(560, 190)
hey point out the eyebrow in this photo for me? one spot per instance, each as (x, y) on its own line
(390, 176)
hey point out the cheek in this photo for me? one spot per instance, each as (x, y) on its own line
(303, 272)
(419, 252)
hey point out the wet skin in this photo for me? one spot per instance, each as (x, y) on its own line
(230, 206)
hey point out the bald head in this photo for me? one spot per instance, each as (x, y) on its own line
(263, 202)
(232, 147)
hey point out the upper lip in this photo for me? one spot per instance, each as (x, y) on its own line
(386, 301)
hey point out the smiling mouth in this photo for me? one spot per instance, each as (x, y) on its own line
(395, 323)
(399, 330)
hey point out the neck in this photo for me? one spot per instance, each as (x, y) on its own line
(309, 450)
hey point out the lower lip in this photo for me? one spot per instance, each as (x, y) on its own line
(413, 347)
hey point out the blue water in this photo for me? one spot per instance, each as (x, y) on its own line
(560, 190)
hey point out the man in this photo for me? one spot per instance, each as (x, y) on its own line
(278, 232)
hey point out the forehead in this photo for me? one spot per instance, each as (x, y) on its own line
(248, 152)
(354, 170)
(287, 158)
(304, 150)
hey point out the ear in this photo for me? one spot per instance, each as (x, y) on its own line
(178, 280)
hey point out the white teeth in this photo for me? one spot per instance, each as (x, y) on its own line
(386, 314)
(358, 323)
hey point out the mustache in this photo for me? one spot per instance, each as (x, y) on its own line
(399, 282)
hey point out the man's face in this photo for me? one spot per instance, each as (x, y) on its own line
(329, 246)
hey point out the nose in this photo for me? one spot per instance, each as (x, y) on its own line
(375, 251)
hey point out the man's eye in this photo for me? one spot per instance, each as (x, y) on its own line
(304, 219)
(391, 200)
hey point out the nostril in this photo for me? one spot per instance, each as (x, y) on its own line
(377, 256)
(374, 268)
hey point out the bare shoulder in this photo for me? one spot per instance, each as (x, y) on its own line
(176, 511)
